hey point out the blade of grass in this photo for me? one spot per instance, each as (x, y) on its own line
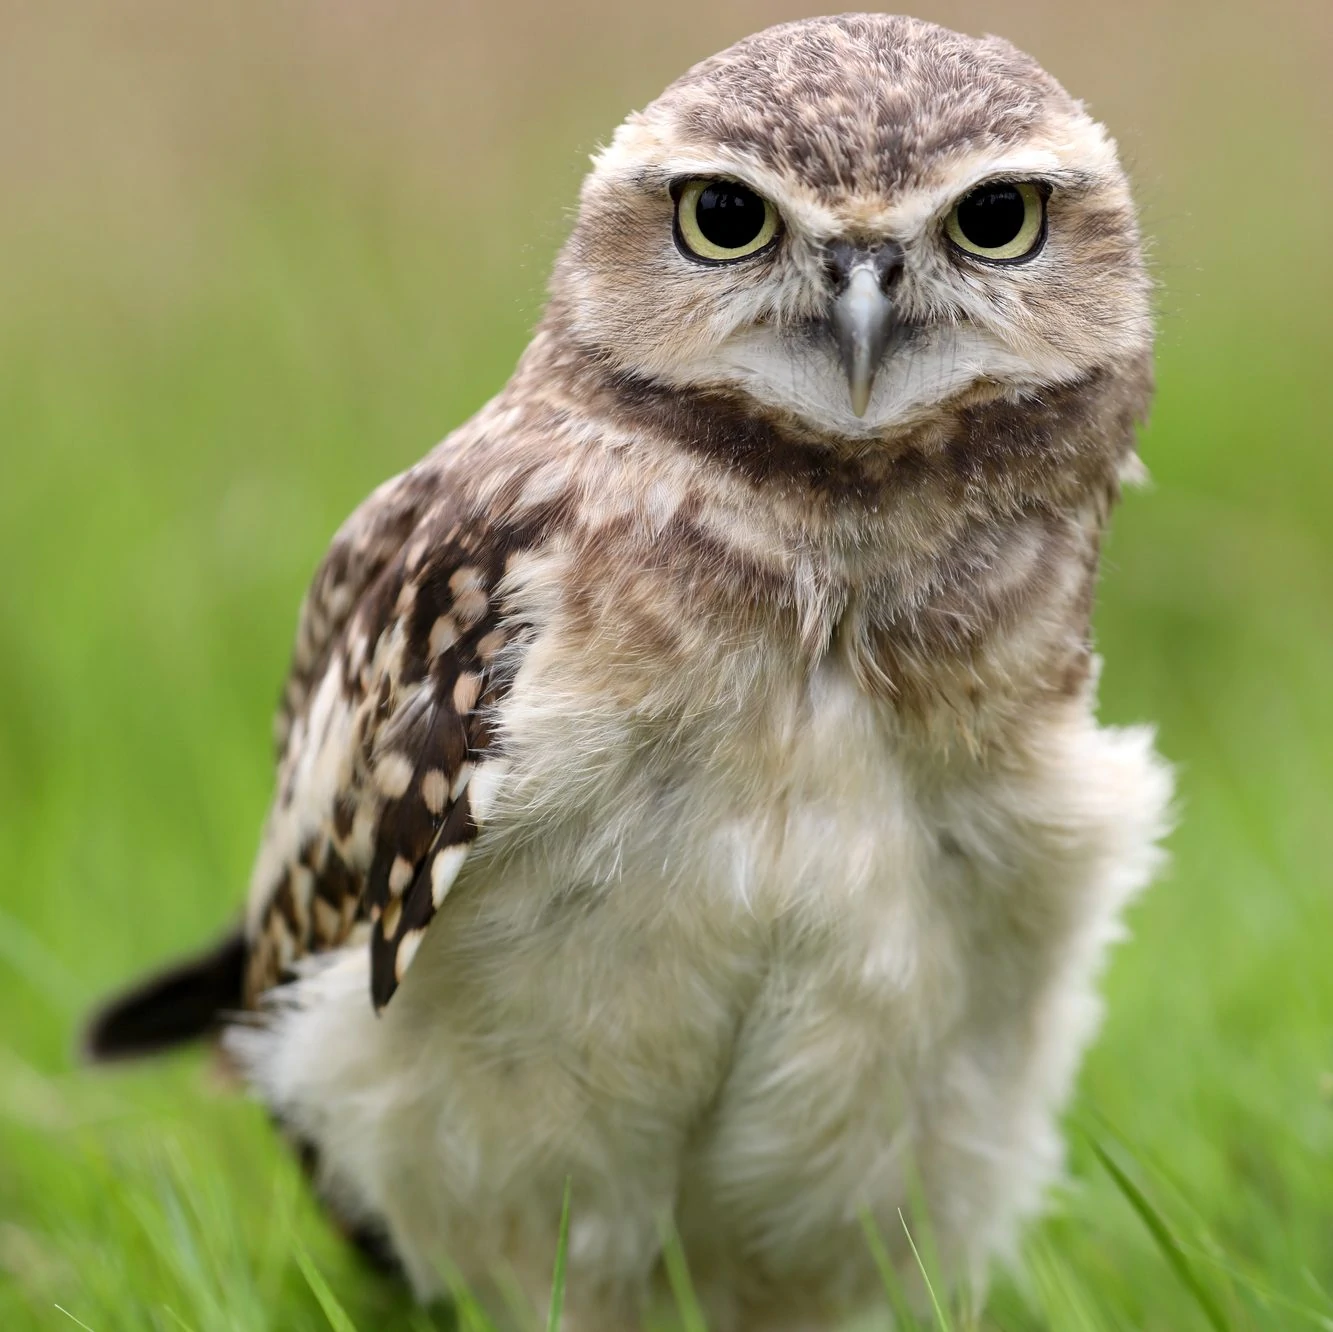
(280, 1224)
(1164, 1239)
(1313, 1280)
(166, 1228)
(1258, 1288)
(1157, 1169)
(678, 1277)
(72, 1319)
(922, 1237)
(902, 1315)
(940, 1316)
(468, 1313)
(1062, 1301)
(328, 1301)
(561, 1259)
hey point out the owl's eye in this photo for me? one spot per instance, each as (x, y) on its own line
(719, 221)
(1003, 221)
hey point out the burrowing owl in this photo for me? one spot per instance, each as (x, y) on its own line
(688, 780)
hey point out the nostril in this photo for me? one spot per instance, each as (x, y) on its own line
(888, 262)
(884, 258)
(840, 257)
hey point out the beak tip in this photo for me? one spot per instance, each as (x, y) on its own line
(860, 399)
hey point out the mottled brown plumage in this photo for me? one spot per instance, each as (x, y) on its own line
(404, 631)
(707, 723)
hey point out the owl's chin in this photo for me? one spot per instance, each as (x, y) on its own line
(799, 374)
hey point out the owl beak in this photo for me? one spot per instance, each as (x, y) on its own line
(863, 317)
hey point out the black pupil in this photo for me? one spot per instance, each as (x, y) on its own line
(992, 216)
(729, 215)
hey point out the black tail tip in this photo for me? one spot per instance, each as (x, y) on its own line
(177, 1005)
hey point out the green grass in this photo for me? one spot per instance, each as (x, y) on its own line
(180, 438)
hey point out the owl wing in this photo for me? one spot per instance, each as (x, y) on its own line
(359, 553)
(402, 653)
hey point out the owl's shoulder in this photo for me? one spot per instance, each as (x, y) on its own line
(404, 648)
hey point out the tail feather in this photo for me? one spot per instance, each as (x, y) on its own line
(178, 1004)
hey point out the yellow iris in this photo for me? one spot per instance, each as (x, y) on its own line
(998, 221)
(740, 221)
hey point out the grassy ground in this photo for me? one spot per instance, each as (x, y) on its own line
(188, 409)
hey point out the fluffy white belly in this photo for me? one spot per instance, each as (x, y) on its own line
(759, 1001)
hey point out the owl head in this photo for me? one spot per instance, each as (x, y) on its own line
(850, 221)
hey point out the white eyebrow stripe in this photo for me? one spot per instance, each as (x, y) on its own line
(920, 211)
(905, 219)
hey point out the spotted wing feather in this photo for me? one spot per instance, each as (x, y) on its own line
(389, 718)
(357, 556)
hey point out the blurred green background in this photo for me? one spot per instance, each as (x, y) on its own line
(256, 257)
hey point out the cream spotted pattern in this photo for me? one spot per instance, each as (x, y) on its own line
(388, 709)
